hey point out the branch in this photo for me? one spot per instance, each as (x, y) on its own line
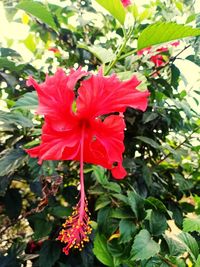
(171, 60)
(119, 52)
(167, 261)
(177, 147)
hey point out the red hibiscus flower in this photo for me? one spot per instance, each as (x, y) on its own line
(54, 50)
(157, 57)
(76, 128)
(126, 3)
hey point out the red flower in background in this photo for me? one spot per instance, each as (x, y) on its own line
(74, 129)
(54, 50)
(157, 58)
(126, 3)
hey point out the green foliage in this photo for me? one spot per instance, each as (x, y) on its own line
(101, 251)
(162, 32)
(191, 224)
(148, 219)
(115, 8)
(39, 11)
(144, 247)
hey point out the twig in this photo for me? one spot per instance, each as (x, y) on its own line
(183, 142)
(167, 261)
(171, 60)
(118, 54)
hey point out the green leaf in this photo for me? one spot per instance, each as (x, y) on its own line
(10, 65)
(148, 141)
(190, 244)
(191, 224)
(13, 203)
(183, 184)
(155, 203)
(60, 211)
(197, 263)
(162, 32)
(49, 253)
(16, 118)
(102, 202)
(144, 247)
(136, 203)
(157, 223)
(115, 8)
(113, 186)
(11, 160)
(126, 228)
(100, 175)
(103, 54)
(176, 247)
(39, 11)
(41, 225)
(101, 251)
(27, 102)
(149, 116)
(106, 223)
(5, 52)
(121, 213)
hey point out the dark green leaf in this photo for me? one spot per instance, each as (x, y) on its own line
(157, 223)
(41, 225)
(27, 102)
(13, 203)
(60, 211)
(182, 183)
(149, 116)
(15, 118)
(49, 253)
(144, 247)
(5, 52)
(126, 228)
(10, 65)
(156, 203)
(148, 141)
(162, 32)
(136, 203)
(11, 161)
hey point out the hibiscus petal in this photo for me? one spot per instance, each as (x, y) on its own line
(56, 93)
(101, 95)
(56, 145)
(104, 144)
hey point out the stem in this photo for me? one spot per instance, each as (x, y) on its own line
(82, 199)
(118, 54)
(166, 261)
(128, 54)
(171, 60)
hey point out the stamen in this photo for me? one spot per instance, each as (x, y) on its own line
(77, 228)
